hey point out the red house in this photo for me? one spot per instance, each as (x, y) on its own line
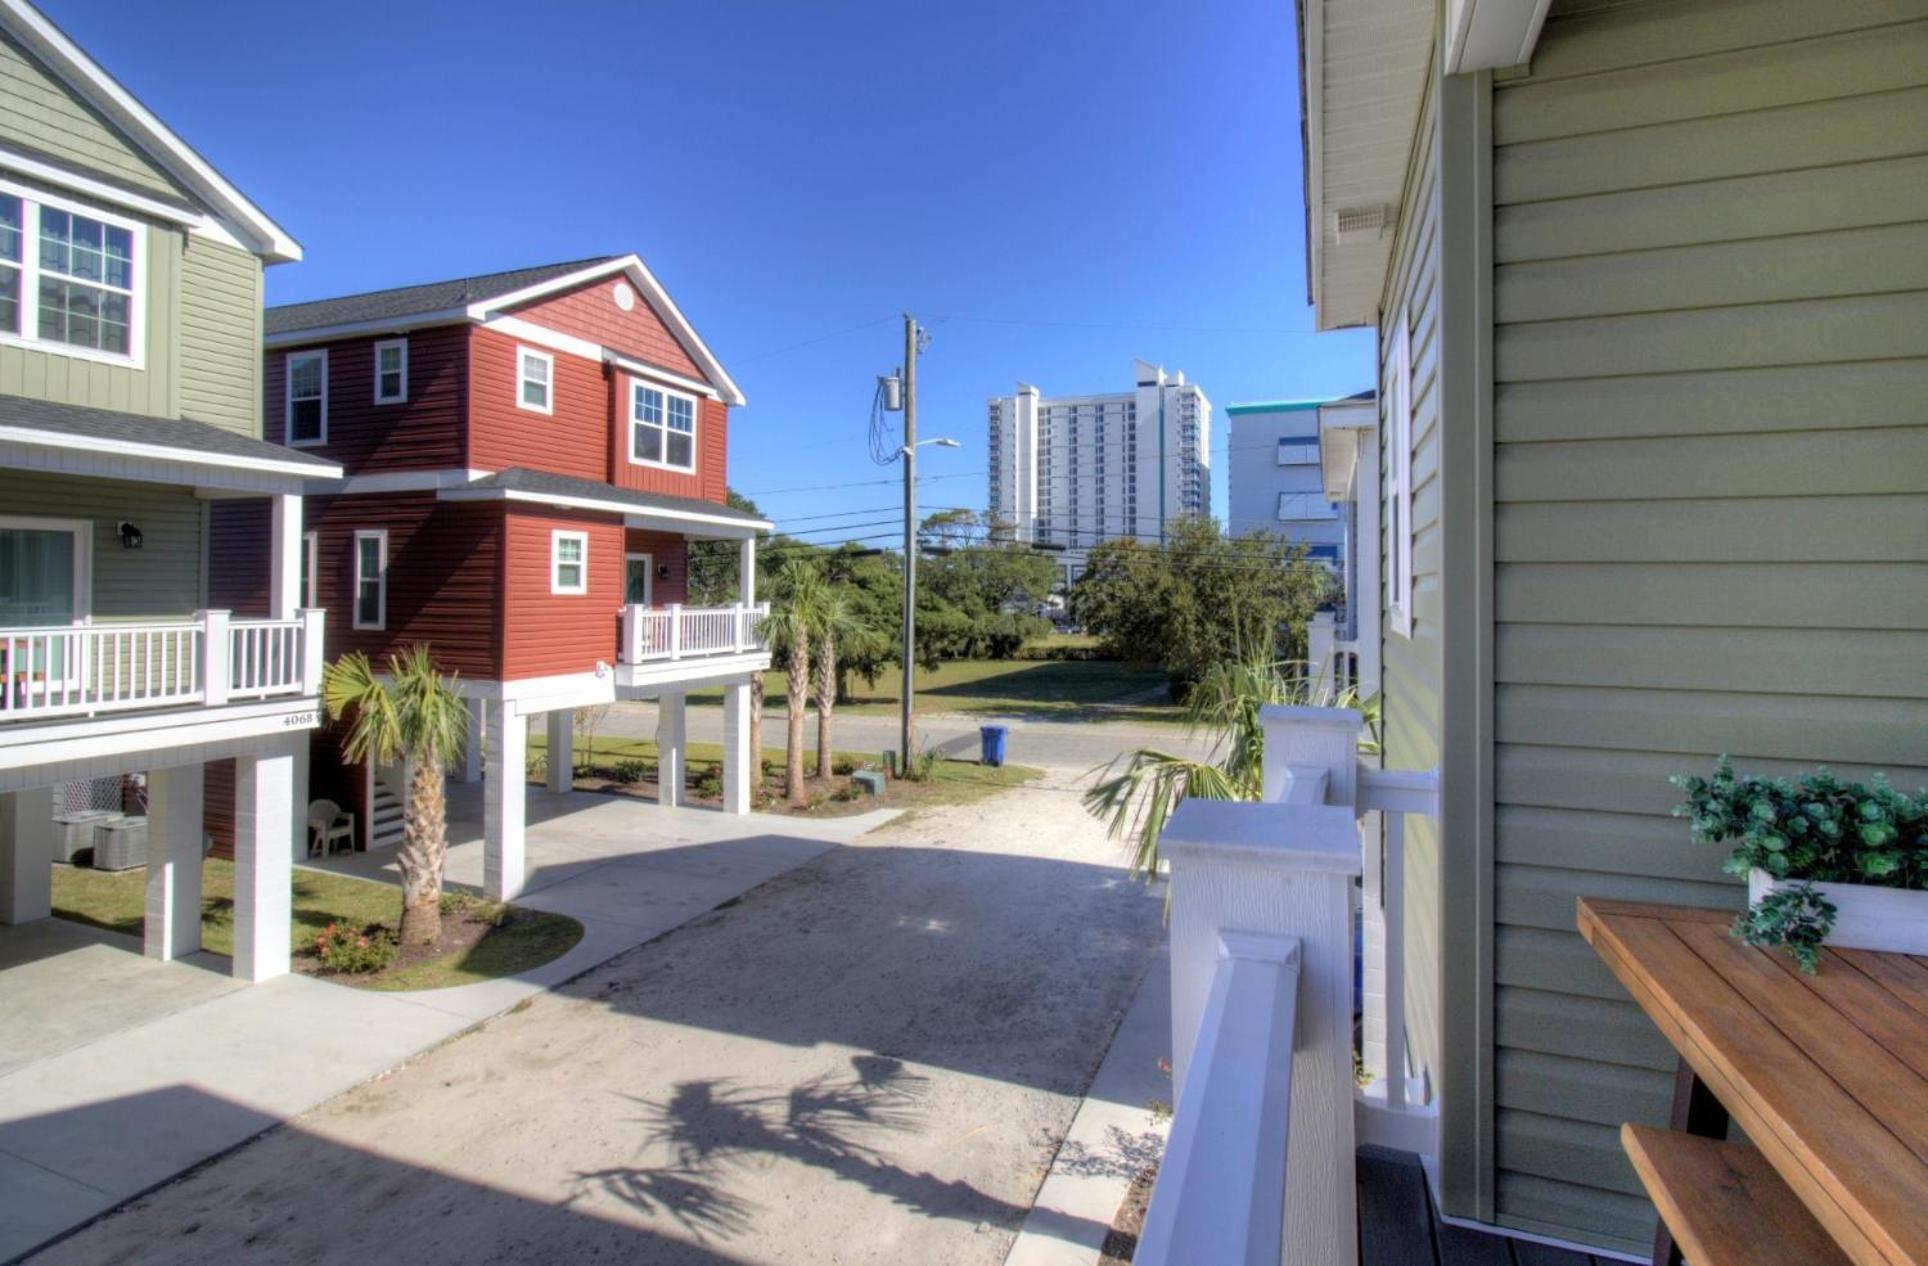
(526, 456)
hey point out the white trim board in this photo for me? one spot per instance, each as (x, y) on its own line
(194, 466)
(633, 515)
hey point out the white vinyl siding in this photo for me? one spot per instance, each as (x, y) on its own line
(1711, 500)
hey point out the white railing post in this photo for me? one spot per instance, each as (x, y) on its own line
(1322, 738)
(216, 657)
(631, 650)
(314, 633)
(1321, 637)
(676, 630)
(1272, 871)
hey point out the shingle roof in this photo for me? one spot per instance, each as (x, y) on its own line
(542, 483)
(86, 422)
(410, 301)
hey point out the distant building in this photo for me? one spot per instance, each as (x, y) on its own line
(1274, 479)
(1071, 471)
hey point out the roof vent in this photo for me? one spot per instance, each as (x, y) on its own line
(1352, 225)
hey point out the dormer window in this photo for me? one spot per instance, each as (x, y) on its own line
(70, 279)
(662, 430)
(391, 371)
(534, 389)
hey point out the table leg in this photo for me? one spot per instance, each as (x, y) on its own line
(1696, 1111)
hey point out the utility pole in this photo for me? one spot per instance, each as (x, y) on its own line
(909, 735)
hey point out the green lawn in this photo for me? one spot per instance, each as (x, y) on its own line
(1067, 690)
(115, 900)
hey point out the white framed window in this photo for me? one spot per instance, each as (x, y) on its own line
(306, 389)
(662, 427)
(568, 562)
(310, 569)
(391, 371)
(534, 380)
(371, 579)
(1399, 479)
(72, 278)
(1304, 506)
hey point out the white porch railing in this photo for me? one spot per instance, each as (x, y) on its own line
(1259, 1169)
(209, 660)
(679, 632)
(1333, 660)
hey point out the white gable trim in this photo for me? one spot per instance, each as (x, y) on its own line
(86, 77)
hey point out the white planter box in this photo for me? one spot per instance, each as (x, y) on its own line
(1892, 919)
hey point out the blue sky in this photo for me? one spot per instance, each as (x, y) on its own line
(1054, 187)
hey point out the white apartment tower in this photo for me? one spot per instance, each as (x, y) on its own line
(1072, 471)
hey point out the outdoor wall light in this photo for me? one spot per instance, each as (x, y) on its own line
(130, 535)
(662, 571)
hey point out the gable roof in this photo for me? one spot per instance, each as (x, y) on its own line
(484, 298)
(86, 78)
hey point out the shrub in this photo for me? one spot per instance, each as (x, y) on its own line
(709, 783)
(843, 765)
(629, 772)
(354, 951)
(458, 901)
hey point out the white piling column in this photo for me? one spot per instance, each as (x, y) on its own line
(672, 741)
(1273, 870)
(173, 924)
(505, 802)
(263, 860)
(471, 768)
(284, 576)
(26, 855)
(738, 771)
(562, 749)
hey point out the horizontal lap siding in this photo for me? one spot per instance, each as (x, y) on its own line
(1413, 667)
(707, 482)
(573, 440)
(665, 552)
(220, 336)
(422, 433)
(159, 581)
(1711, 484)
(548, 634)
(590, 312)
(239, 565)
(39, 111)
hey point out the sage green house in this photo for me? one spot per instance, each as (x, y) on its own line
(1650, 279)
(130, 354)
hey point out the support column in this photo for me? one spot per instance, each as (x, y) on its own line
(737, 770)
(672, 738)
(562, 749)
(284, 587)
(746, 571)
(470, 770)
(504, 802)
(263, 860)
(26, 855)
(174, 799)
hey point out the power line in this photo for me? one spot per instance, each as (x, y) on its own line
(1115, 325)
(812, 342)
(865, 483)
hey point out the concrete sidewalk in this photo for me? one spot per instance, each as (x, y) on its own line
(118, 1073)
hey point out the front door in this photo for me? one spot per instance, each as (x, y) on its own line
(638, 572)
(43, 565)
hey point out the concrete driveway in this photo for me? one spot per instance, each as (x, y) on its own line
(117, 1073)
(871, 1058)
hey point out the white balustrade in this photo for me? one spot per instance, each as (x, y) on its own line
(210, 660)
(679, 632)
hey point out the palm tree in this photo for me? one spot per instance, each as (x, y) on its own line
(800, 588)
(838, 623)
(1140, 799)
(416, 716)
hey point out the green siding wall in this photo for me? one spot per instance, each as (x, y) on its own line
(1711, 498)
(161, 580)
(220, 336)
(39, 111)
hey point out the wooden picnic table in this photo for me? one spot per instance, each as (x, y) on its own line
(1827, 1075)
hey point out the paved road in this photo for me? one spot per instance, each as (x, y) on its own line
(1064, 747)
(870, 1059)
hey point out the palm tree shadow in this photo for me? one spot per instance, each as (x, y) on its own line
(715, 1130)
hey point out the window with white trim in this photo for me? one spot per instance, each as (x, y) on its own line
(70, 279)
(1399, 490)
(371, 578)
(310, 569)
(534, 385)
(391, 371)
(568, 562)
(662, 427)
(306, 389)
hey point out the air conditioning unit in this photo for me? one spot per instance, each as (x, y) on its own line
(1354, 225)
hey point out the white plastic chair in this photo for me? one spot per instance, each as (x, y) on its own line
(327, 824)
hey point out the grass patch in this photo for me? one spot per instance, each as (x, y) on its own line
(1063, 690)
(116, 900)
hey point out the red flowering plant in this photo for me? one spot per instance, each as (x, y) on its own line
(352, 950)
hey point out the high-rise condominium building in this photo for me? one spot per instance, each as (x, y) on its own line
(1072, 471)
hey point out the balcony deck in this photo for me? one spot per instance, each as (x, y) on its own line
(1398, 1227)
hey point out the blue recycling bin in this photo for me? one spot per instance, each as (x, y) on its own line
(991, 743)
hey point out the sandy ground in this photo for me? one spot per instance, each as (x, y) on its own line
(871, 1058)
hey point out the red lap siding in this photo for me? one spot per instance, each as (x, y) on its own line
(238, 563)
(590, 312)
(706, 483)
(667, 553)
(423, 433)
(548, 634)
(573, 440)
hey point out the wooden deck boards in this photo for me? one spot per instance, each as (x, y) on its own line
(1397, 1225)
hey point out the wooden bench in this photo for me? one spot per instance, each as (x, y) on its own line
(1724, 1203)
